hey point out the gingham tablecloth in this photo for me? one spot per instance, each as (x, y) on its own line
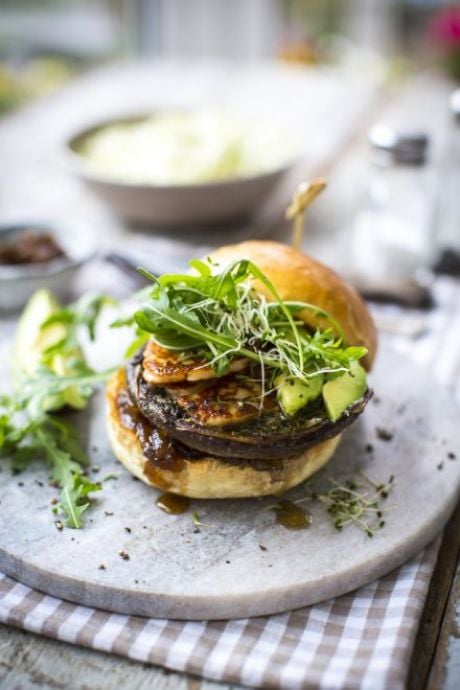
(360, 641)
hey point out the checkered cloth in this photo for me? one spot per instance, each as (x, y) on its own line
(360, 641)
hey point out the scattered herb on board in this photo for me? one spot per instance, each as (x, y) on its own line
(51, 373)
(196, 521)
(383, 434)
(356, 502)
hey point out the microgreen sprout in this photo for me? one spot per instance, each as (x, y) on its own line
(355, 502)
(220, 315)
(196, 520)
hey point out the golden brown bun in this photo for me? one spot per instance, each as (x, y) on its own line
(297, 276)
(208, 477)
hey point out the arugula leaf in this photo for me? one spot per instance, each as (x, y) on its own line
(159, 317)
(61, 462)
(73, 503)
(220, 315)
(137, 343)
(201, 267)
(29, 429)
(83, 313)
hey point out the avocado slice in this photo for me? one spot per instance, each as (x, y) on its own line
(293, 395)
(31, 342)
(343, 390)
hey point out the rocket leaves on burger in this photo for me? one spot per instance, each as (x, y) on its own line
(219, 314)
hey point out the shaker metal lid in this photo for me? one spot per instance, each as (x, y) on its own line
(402, 146)
(454, 104)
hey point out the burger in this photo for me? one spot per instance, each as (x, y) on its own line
(249, 369)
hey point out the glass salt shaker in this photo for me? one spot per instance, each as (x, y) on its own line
(449, 211)
(391, 238)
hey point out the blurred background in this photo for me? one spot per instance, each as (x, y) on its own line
(45, 42)
(324, 72)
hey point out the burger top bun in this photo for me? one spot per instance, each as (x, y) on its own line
(298, 277)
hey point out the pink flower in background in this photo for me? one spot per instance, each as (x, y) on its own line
(444, 31)
(445, 27)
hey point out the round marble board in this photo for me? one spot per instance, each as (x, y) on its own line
(240, 562)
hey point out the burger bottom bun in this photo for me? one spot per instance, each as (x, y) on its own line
(209, 477)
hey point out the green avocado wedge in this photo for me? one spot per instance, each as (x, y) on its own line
(293, 395)
(343, 390)
(32, 341)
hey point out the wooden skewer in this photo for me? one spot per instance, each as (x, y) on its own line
(301, 199)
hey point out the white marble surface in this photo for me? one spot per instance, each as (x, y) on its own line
(221, 571)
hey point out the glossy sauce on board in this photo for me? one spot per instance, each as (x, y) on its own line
(172, 503)
(292, 516)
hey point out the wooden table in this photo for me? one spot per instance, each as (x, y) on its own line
(33, 185)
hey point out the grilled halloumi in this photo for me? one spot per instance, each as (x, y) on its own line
(162, 366)
(230, 400)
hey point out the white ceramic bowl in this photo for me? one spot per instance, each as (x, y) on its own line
(18, 282)
(181, 205)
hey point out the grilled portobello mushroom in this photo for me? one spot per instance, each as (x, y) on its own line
(270, 434)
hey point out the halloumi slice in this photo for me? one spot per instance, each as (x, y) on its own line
(162, 366)
(228, 401)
